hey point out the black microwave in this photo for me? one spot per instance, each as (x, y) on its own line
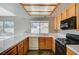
(69, 23)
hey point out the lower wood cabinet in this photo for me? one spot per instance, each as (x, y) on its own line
(20, 48)
(13, 51)
(42, 43)
(26, 45)
(23, 46)
(53, 45)
(70, 52)
(48, 42)
(45, 42)
(10, 51)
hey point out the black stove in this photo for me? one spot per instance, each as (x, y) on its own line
(62, 42)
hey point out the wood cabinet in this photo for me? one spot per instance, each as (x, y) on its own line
(53, 45)
(42, 43)
(63, 15)
(13, 51)
(70, 52)
(20, 48)
(58, 21)
(26, 45)
(71, 10)
(54, 23)
(23, 46)
(48, 42)
(10, 51)
(77, 14)
(45, 42)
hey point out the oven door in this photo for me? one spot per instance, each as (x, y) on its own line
(60, 49)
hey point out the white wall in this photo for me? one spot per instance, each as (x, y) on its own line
(23, 20)
(20, 25)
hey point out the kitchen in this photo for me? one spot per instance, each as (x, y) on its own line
(39, 29)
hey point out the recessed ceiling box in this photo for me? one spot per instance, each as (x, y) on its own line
(39, 9)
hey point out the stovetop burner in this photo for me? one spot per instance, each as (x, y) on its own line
(61, 40)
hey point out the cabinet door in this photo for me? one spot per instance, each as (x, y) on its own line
(71, 10)
(48, 42)
(77, 14)
(70, 52)
(58, 22)
(25, 46)
(53, 45)
(11, 51)
(20, 48)
(27, 41)
(63, 15)
(42, 43)
(54, 23)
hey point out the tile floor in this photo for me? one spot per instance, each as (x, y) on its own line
(40, 52)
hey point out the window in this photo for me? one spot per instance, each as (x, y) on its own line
(44, 27)
(39, 27)
(1, 27)
(7, 27)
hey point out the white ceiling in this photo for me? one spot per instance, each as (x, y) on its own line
(4, 12)
(40, 1)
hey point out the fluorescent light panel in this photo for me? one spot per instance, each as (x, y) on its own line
(40, 8)
(39, 13)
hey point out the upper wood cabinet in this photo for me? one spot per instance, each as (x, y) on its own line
(58, 20)
(54, 23)
(63, 15)
(77, 14)
(71, 10)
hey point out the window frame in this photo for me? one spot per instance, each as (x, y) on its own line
(40, 26)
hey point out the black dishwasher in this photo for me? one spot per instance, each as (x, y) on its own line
(60, 47)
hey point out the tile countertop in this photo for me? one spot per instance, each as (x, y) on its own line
(74, 48)
(7, 42)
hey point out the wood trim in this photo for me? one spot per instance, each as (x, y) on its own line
(39, 4)
(55, 8)
(24, 9)
(39, 11)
